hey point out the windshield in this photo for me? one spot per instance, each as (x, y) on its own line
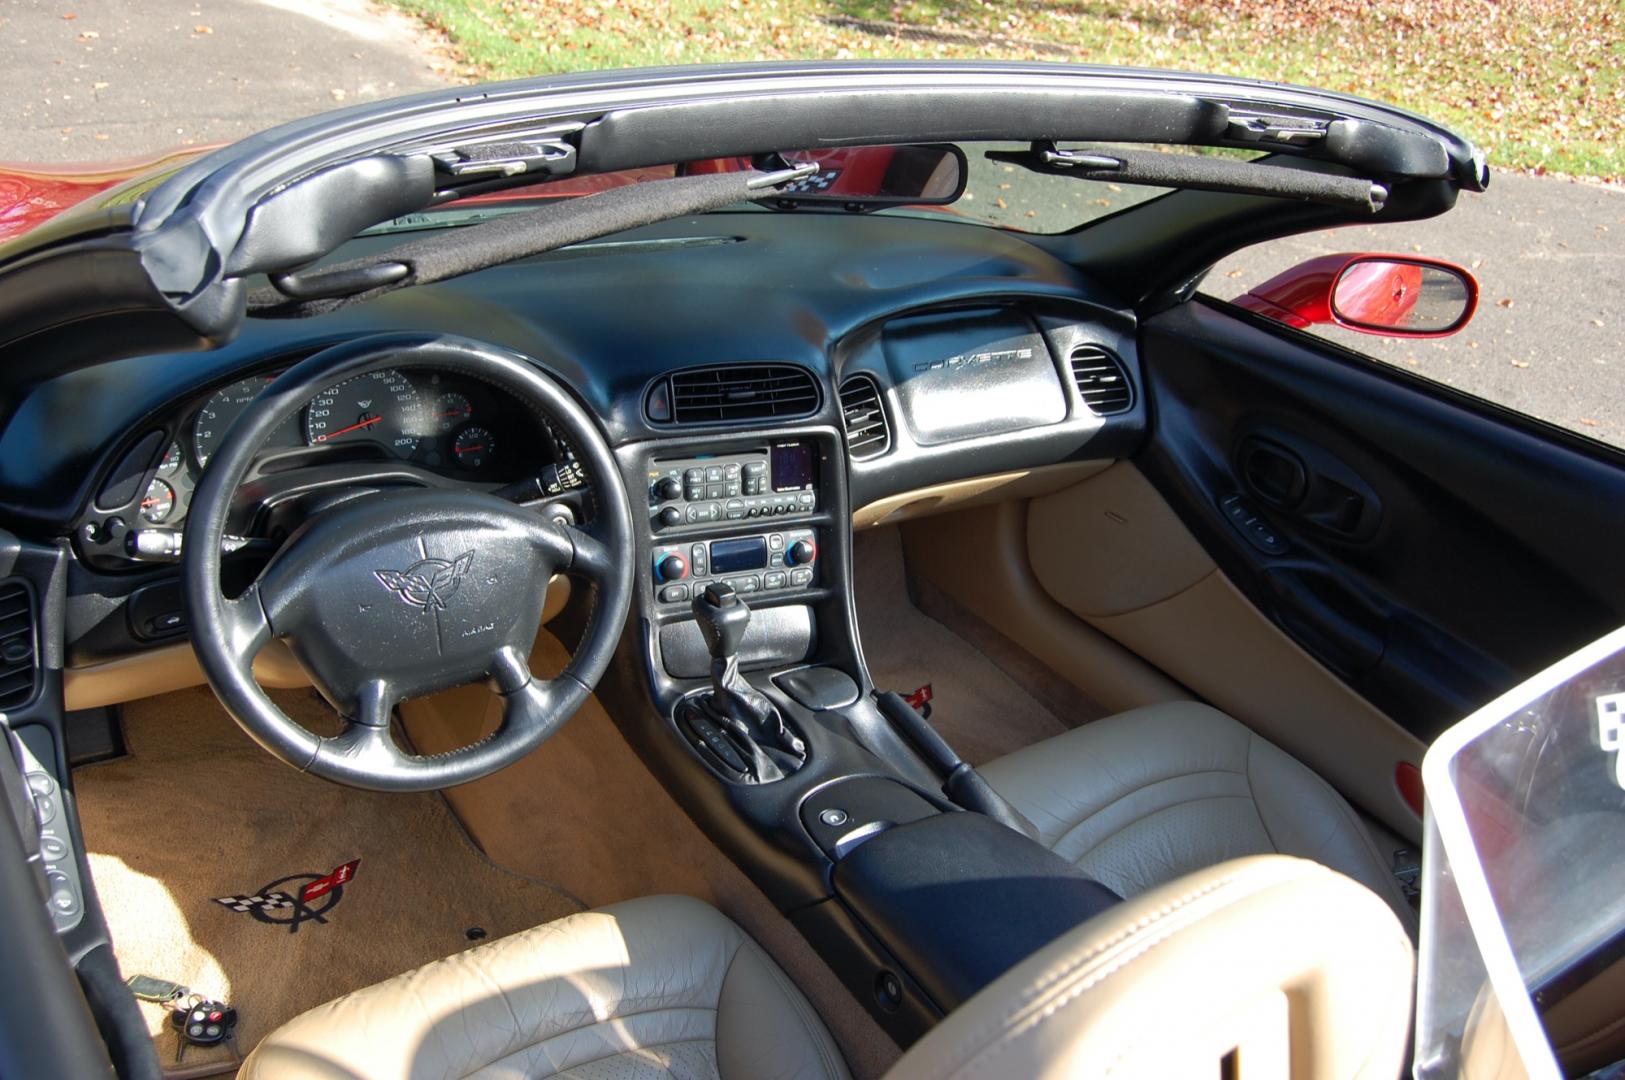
(1524, 860)
(996, 193)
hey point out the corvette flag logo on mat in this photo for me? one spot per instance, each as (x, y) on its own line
(316, 895)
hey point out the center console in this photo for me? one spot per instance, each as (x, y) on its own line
(743, 686)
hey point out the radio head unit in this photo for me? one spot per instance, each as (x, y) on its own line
(778, 480)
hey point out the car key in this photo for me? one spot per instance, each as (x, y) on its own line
(202, 1022)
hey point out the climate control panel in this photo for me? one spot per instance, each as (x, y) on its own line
(777, 481)
(769, 563)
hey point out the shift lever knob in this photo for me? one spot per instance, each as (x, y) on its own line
(723, 617)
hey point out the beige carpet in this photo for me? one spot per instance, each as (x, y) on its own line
(198, 811)
(978, 708)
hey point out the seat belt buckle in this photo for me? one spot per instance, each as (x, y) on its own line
(920, 700)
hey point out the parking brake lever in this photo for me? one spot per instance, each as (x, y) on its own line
(961, 782)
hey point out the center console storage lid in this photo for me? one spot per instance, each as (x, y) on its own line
(959, 899)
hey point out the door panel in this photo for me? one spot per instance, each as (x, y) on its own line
(1430, 550)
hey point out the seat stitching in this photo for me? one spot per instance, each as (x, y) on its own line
(1006, 1037)
(534, 1042)
(1102, 808)
(1257, 812)
(798, 1003)
(1127, 824)
(594, 1061)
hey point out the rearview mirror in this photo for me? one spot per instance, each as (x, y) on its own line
(1392, 295)
(873, 176)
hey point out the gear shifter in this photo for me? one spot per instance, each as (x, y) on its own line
(754, 727)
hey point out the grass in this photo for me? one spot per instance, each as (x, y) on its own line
(1538, 84)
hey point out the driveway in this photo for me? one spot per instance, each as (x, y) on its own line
(111, 79)
(107, 80)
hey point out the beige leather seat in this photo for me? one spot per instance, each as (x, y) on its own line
(1143, 797)
(1277, 965)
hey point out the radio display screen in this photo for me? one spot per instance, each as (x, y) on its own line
(732, 556)
(792, 466)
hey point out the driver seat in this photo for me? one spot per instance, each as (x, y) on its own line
(1267, 967)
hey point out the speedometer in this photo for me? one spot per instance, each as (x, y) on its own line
(380, 407)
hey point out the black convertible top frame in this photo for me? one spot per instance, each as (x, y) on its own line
(179, 251)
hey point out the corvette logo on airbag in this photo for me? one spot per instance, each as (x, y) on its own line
(427, 583)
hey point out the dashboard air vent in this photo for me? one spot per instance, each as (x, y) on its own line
(19, 657)
(720, 395)
(1102, 382)
(865, 418)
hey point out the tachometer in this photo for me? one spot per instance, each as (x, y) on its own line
(380, 407)
(226, 406)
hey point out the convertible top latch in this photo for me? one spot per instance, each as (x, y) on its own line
(537, 152)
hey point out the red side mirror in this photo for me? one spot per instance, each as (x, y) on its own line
(1392, 295)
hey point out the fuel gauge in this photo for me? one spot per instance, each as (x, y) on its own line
(158, 503)
(172, 459)
(473, 447)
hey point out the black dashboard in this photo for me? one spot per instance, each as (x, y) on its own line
(960, 350)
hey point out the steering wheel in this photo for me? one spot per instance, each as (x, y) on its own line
(397, 594)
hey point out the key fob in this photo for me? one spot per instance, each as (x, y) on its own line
(204, 1023)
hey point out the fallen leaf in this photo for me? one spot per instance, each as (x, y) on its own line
(1505, 302)
(1000, 203)
(338, 95)
(1587, 421)
(201, 29)
(1520, 363)
(68, 16)
(1234, 273)
(100, 85)
(100, 137)
(1596, 322)
(88, 35)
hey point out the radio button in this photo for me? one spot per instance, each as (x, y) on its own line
(713, 491)
(775, 542)
(671, 516)
(773, 579)
(747, 584)
(713, 474)
(736, 509)
(802, 576)
(671, 594)
(667, 488)
(755, 468)
(694, 476)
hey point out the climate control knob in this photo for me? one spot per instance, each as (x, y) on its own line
(667, 488)
(671, 568)
(800, 554)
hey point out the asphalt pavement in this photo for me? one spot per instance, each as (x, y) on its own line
(105, 80)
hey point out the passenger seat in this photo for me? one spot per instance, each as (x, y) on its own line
(1141, 798)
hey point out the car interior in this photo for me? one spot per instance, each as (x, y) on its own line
(760, 639)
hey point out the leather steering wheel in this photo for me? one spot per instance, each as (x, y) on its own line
(397, 594)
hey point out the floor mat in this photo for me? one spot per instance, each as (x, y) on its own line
(198, 811)
(978, 708)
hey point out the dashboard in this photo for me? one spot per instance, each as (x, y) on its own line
(968, 349)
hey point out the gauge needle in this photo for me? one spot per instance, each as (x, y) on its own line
(346, 430)
(470, 449)
(150, 502)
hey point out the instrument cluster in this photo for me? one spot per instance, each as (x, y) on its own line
(441, 422)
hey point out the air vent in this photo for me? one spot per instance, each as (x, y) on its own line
(1102, 382)
(738, 392)
(865, 418)
(19, 660)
